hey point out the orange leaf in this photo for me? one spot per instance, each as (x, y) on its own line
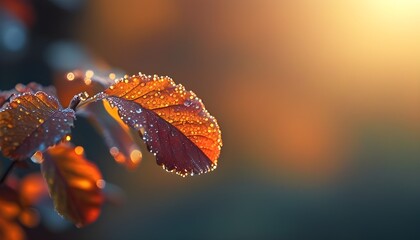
(32, 122)
(74, 184)
(177, 128)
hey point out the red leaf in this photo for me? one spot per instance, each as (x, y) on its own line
(74, 184)
(177, 128)
(32, 122)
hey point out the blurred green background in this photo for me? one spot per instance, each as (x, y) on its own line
(318, 103)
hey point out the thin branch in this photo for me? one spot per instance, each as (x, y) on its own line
(7, 172)
(88, 100)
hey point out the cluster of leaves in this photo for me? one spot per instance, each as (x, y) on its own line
(172, 121)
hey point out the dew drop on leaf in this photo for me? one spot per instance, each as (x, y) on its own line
(175, 123)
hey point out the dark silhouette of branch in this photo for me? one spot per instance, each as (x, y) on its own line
(7, 172)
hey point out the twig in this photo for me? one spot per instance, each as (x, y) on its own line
(8, 170)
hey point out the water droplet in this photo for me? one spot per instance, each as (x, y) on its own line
(70, 76)
(89, 74)
(101, 183)
(79, 150)
(14, 104)
(37, 157)
(135, 156)
(114, 151)
(187, 103)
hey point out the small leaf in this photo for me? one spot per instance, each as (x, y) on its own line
(32, 122)
(74, 183)
(177, 128)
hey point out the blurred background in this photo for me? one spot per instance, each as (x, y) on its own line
(318, 102)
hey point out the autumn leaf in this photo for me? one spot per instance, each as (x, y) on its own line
(74, 183)
(21, 88)
(174, 123)
(117, 136)
(32, 122)
(122, 143)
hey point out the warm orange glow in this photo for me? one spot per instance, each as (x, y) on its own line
(11, 230)
(84, 184)
(88, 81)
(118, 156)
(89, 74)
(100, 183)
(68, 138)
(33, 188)
(70, 76)
(113, 112)
(9, 210)
(79, 150)
(397, 11)
(135, 156)
(29, 218)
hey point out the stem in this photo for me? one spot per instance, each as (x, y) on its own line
(74, 102)
(8, 170)
(95, 98)
(82, 103)
(80, 100)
